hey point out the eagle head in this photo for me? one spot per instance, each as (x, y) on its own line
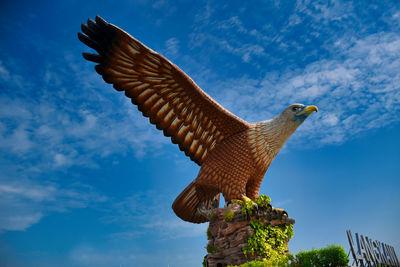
(299, 112)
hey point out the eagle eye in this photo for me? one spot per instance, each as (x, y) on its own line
(295, 109)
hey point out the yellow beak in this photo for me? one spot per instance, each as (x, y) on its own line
(308, 110)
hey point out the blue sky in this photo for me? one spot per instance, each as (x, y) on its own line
(85, 180)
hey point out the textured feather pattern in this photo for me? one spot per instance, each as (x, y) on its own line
(261, 149)
(186, 204)
(234, 155)
(236, 167)
(162, 92)
(229, 168)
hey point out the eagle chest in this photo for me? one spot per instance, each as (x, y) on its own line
(233, 159)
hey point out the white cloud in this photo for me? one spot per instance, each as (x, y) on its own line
(74, 119)
(357, 90)
(4, 74)
(330, 119)
(70, 127)
(23, 202)
(150, 213)
(227, 35)
(172, 47)
(62, 119)
(322, 11)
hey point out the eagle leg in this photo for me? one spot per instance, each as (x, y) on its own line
(205, 210)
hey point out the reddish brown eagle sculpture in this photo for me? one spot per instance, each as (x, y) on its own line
(233, 154)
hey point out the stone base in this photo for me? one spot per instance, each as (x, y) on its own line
(229, 231)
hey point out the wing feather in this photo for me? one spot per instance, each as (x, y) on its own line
(162, 92)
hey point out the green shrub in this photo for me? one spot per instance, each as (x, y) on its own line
(332, 255)
(307, 258)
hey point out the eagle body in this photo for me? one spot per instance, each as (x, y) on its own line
(232, 153)
(235, 168)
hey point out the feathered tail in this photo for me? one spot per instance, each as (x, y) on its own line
(185, 205)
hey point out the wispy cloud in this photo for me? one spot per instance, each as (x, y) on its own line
(210, 34)
(87, 255)
(324, 12)
(150, 213)
(356, 83)
(65, 115)
(54, 121)
(172, 47)
(356, 91)
(23, 202)
(64, 127)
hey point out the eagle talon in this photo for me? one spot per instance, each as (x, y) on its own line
(245, 198)
(255, 206)
(281, 212)
(203, 210)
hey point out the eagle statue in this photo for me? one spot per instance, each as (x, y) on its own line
(232, 153)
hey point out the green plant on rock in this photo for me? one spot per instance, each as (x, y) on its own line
(212, 249)
(247, 207)
(265, 263)
(279, 262)
(262, 201)
(269, 242)
(204, 261)
(209, 235)
(228, 215)
(212, 215)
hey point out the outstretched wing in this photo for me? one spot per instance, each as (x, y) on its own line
(162, 92)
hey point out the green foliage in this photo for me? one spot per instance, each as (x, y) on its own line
(212, 214)
(265, 263)
(205, 261)
(269, 242)
(212, 249)
(228, 215)
(307, 258)
(247, 207)
(332, 255)
(262, 201)
(209, 235)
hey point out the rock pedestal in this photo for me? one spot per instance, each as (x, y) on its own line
(229, 231)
